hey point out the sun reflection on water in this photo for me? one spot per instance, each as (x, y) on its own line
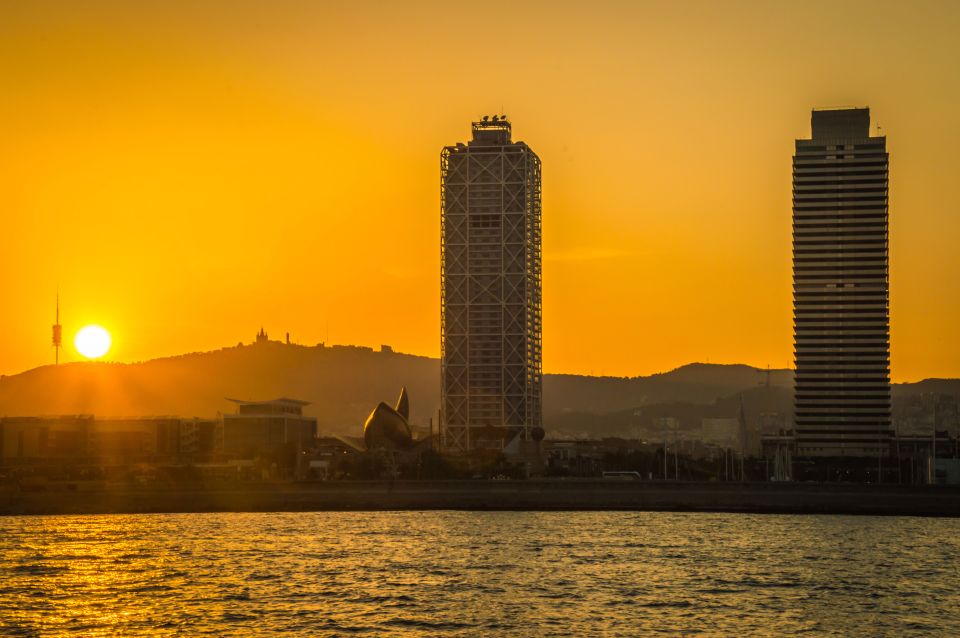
(459, 573)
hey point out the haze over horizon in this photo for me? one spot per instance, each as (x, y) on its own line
(187, 172)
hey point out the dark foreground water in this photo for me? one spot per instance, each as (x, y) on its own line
(476, 573)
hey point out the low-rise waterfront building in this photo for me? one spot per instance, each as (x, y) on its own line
(275, 430)
(85, 438)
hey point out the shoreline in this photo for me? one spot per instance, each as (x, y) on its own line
(476, 495)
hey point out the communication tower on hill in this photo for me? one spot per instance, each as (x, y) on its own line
(57, 333)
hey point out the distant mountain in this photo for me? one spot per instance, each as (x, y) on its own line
(344, 383)
(692, 383)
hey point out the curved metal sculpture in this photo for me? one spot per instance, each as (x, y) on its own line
(387, 427)
(403, 404)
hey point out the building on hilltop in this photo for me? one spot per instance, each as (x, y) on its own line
(840, 288)
(491, 384)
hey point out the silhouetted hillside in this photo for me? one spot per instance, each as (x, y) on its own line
(344, 383)
(692, 383)
(641, 421)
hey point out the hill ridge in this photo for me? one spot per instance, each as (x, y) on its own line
(344, 382)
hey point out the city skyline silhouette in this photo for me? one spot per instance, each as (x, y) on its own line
(441, 318)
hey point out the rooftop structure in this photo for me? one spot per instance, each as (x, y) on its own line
(282, 405)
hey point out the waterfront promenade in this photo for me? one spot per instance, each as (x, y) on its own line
(533, 495)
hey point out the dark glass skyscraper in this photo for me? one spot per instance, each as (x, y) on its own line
(840, 288)
(490, 290)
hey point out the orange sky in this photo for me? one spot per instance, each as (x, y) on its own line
(188, 171)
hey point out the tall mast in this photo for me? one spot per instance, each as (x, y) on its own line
(57, 333)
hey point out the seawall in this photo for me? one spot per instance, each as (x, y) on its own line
(533, 495)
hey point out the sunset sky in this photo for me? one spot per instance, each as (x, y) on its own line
(189, 171)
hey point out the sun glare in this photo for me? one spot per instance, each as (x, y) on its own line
(92, 342)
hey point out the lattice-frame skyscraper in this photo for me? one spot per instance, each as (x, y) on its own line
(491, 371)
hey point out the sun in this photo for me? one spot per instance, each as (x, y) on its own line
(92, 342)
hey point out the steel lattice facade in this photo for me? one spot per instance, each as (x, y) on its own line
(840, 288)
(490, 290)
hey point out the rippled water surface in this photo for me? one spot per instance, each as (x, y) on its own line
(460, 573)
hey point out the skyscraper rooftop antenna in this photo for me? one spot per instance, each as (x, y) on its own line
(57, 332)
